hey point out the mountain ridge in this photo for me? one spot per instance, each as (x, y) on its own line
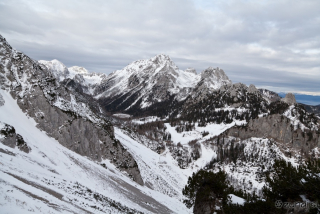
(176, 127)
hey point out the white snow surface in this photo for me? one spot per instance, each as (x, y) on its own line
(161, 171)
(90, 78)
(214, 129)
(236, 199)
(50, 178)
(121, 115)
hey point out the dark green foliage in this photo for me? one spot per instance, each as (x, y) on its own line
(205, 133)
(227, 154)
(258, 207)
(205, 182)
(289, 182)
(182, 126)
(285, 183)
(157, 125)
(206, 110)
(312, 185)
(278, 107)
(120, 103)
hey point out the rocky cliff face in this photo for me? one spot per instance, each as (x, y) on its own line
(9, 137)
(280, 129)
(145, 83)
(289, 99)
(61, 112)
(270, 96)
(154, 84)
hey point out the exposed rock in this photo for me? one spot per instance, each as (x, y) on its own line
(78, 69)
(191, 70)
(214, 78)
(207, 205)
(270, 96)
(9, 137)
(57, 68)
(236, 88)
(1, 100)
(289, 99)
(65, 114)
(253, 90)
(280, 129)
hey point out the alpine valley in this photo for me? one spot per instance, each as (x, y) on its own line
(73, 141)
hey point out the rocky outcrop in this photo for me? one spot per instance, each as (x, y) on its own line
(59, 70)
(1, 100)
(9, 137)
(191, 70)
(270, 96)
(207, 205)
(61, 112)
(289, 99)
(214, 78)
(253, 90)
(280, 129)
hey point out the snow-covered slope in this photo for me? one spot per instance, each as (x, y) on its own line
(144, 83)
(53, 179)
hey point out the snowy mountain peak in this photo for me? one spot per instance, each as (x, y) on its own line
(54, 65)
(162, 59)
(214, 78)
(78, 70)
(57, 68)
(217, 73)
(191, 70)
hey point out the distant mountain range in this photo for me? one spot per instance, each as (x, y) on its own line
(305, 99)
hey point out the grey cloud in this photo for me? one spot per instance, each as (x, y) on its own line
(260, 42)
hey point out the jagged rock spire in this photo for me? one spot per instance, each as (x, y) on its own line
(289, 99)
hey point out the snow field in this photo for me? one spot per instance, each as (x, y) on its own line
(50, 161)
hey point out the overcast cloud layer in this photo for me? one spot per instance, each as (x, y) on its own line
(272, 44)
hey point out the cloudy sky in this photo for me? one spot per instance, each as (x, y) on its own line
(273, 44)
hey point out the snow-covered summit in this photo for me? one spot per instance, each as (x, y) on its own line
(162, 60)
(155, 80)
(214, 78)
(57, 68)
(79, 74)
(191, 70)
(78, 70)
(55, 65)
